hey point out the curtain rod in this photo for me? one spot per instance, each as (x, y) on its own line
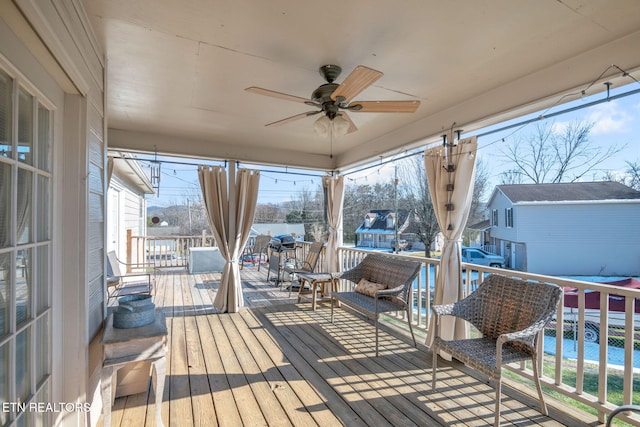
(287, 172)
(521, 123)
(557, 113)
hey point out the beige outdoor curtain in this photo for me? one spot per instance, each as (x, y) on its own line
(451, 188)
(334, 189)
(231, 206)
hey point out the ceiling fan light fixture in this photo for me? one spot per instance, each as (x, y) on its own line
(322, 126)
(340, 125)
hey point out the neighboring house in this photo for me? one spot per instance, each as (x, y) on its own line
(379, 227)
(479, 235)
(126, 204)
(582, 228)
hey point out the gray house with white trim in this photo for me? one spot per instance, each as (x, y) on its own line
(581, 228)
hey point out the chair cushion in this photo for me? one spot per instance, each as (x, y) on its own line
(369, 288)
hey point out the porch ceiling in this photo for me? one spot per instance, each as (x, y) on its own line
(177, 71)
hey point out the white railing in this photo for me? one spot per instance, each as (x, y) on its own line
(613, 358)
(163, 251)
(173, 251)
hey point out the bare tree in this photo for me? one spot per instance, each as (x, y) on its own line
(550, 157)
(413, 182)
(269, 213)
(480, 188)
(630, 178)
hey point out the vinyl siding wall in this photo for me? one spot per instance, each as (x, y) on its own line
(580, 239)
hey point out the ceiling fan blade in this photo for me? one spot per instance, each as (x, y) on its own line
(293, 118)
(360, 78)
(352, 126)
(280, 95)
(385, 106)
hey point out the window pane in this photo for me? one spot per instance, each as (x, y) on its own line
(43, 138)
(42, 349)
(5, 297)
(42, 213)
(6, 89)
(41, 417)
(4, 381)
(25, 127)
(24, 206)
(42, 278)
(24, 288)
(23, 362)
(5, 205)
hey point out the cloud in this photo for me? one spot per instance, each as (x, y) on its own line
(608, 118)
(558, 128)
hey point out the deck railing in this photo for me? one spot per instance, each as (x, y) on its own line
(173, 251)
(571, 366)
(163, 251)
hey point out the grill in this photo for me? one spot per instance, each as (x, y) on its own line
(283, 241)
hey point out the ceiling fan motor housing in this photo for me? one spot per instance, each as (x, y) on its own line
(330, 72)
(322, 95)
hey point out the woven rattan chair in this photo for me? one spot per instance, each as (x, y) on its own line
(398, 274)
(510, 314)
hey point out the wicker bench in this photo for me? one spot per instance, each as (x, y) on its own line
(510, 314)
(397, 274)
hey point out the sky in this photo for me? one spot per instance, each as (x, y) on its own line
(614, 122)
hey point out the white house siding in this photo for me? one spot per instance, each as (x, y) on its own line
(500, 233)
(51, 41)
(129, 213)
(581, 238)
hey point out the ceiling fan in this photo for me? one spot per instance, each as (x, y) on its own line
(333, 100)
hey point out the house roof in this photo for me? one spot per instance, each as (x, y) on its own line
(482, 225)
(568, 192)
(127, 168)
(380, 223)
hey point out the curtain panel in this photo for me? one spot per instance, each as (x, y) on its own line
(450, 171)
(230, 201)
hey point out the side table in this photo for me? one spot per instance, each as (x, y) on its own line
(317, 279)
(124, 347)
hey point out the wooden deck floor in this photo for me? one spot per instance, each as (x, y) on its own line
(279, 363)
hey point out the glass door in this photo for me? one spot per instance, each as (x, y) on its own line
(25, 252)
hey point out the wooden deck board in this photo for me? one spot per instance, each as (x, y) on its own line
(280, 363)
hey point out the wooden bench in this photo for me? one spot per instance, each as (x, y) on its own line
(395, 273)
(510, 314)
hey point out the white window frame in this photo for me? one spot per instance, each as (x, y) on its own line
(39, 389)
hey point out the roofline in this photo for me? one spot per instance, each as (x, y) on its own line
(578, 202)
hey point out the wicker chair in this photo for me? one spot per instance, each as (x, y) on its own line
(396, 273)
(510, 314)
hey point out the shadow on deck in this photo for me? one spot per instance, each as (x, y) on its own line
(280, 363)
